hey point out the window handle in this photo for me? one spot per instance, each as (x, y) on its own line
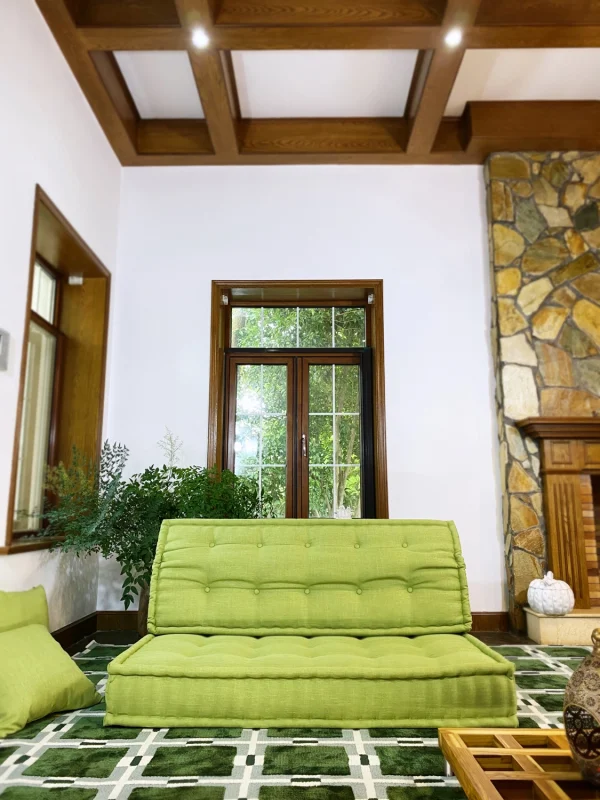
(304, 445)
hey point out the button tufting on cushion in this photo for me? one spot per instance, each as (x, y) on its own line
(307, 544)
(409, 590)
(298, 656)
(212, 544)
(207, 589)
(257, 591)
(237, 565)
(307, 591)
(259, 544)
(359, 591)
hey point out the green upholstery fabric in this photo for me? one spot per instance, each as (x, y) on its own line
(309, 623)
(37, 678)
(308, 577)
(189, 680)
(23, 608)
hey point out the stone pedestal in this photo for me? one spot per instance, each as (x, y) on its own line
(572, 629)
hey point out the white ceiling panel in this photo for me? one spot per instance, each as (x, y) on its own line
(546, 74)
(323, 83)
(161, 84)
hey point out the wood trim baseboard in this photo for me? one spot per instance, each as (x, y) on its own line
(116, 620)
(75, 631)
(490, 622)
(483, 622)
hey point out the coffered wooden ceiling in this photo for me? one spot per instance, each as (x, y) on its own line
(104, 43)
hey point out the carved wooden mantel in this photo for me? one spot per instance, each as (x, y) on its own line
(570, 448)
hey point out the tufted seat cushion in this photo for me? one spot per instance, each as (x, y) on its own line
(185, 679)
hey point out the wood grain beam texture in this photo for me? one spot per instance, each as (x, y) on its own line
(483, 128)
(262, 37)
(318, 37)
(88, 30)
(530, 125)
(214, 77)
(435, 78)
(99, 78)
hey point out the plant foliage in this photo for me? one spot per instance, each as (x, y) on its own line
(96, 510)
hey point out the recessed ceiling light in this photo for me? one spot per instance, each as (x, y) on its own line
(200, 38)
(454, 37)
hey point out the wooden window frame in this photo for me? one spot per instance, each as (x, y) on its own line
(53, 329)
(58, 247)
(298, 293)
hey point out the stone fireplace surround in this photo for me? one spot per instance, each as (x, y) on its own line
(544, 229)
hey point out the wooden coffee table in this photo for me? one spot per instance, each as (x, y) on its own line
(520, 764)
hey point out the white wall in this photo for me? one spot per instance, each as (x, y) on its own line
(421, 229)
(49, 136)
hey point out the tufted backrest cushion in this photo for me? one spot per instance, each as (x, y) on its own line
(308, 577)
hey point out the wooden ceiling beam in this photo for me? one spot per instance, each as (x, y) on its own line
(330, 12)
(435, 76)
(322, 136)
(125, 12)
(98, 81)
(285, 159)
(214, 77)
(484, 128)
(88, 30)
(530, 12)
(117, 89)
(479, 37)
(119, 38)
(531, 36)
(488, 127)
(182, 137)
(386, 37)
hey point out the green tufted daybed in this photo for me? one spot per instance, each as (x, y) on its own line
(309, 623)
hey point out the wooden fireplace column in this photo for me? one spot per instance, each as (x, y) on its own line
(570, 448)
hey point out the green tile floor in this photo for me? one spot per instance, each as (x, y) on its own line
(72, 757)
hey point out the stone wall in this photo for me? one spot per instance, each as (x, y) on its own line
(544, 215)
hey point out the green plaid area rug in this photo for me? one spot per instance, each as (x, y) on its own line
(72, 757)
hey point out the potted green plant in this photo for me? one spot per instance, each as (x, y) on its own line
(94, 509)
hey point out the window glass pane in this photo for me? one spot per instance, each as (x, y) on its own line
(347, 437)
(347, 395)
(273, 480)
(316, 327)
(347, 482)
(320, 434)
(279, 327)
(298, 327)
(260, 444)
(320, 492)
(35, 428)
(246, 327)
(320, 388)
(349, 327)
(334, 441)
(43, 296)
(274, 440)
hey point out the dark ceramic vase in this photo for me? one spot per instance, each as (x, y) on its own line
(582, 714)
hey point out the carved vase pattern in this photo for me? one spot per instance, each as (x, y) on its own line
(582, 713)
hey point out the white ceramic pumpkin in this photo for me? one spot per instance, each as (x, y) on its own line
(551, 597)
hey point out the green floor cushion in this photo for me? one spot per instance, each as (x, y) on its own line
(23, 608)
(37, 678)
(328, 681)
